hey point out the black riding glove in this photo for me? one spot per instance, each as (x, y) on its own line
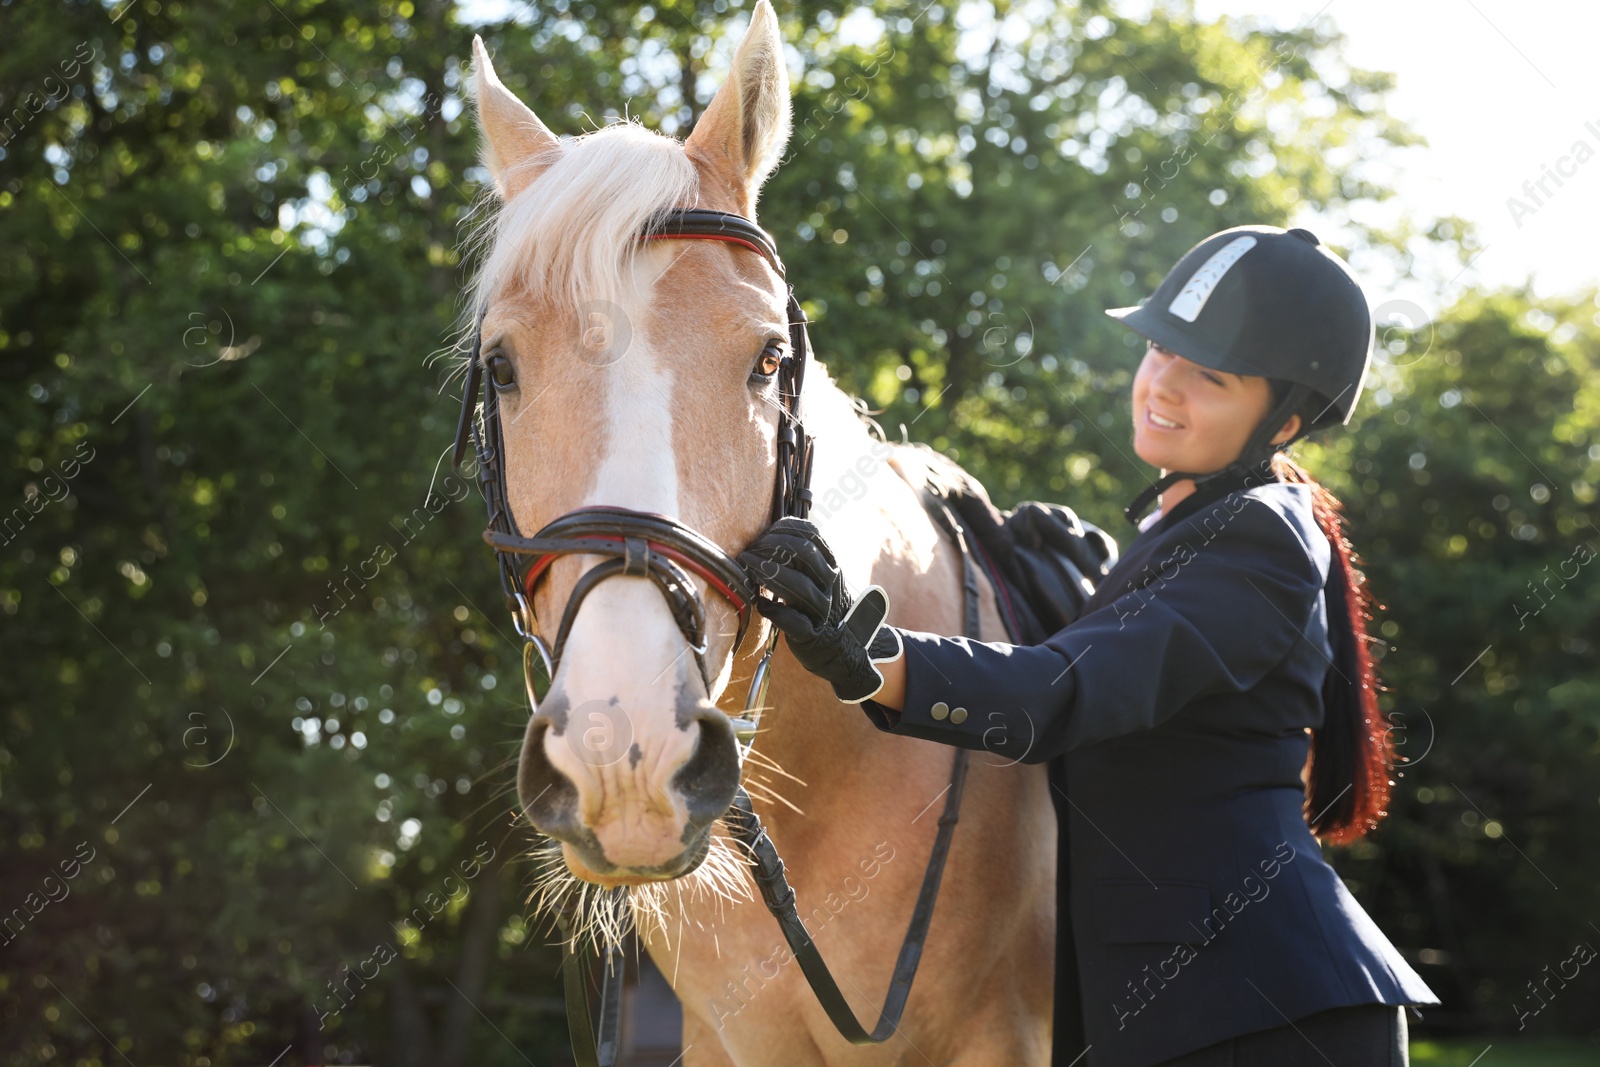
(832, 637)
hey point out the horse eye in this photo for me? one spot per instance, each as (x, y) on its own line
(501, 372)
(771, 360)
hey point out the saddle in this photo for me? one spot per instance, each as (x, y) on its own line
(1043, 560)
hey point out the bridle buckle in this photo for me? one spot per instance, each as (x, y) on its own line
(523, 622)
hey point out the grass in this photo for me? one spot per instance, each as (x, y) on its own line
(1504, 1053)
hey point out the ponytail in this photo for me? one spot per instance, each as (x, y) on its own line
(1351, 754)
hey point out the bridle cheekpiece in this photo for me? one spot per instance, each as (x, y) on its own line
(640, 543)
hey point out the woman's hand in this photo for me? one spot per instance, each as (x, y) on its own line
(834, 638)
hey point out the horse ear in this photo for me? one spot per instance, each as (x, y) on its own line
(742, 132)
(517, 147)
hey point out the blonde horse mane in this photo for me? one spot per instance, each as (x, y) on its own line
(572, 234)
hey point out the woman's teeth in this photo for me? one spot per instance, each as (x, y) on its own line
(1165, 424)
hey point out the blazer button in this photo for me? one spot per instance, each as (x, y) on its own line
(940, 710)
(958, 715)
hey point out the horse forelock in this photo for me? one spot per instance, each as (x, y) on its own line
(572, 233)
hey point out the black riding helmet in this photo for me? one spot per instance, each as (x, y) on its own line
(1269, 302)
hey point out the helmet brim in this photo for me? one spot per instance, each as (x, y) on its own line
(1154, 326)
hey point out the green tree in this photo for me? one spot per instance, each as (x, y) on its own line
(1471, 479)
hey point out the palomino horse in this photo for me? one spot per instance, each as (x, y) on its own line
(630, 374)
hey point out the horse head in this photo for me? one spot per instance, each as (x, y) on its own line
(639, 375)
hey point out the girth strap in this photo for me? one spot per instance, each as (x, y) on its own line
(945, 519)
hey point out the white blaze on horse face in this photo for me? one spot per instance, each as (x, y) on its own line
(625, 658)
(627, 698)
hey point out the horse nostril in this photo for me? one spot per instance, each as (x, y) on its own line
(548, 797)
(710, 776)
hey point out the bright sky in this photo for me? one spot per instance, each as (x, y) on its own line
(1501, 90)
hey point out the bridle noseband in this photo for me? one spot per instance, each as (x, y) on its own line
(640, 543)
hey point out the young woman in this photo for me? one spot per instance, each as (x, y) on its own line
(1212, 712)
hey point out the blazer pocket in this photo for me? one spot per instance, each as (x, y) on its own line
(1129, 911)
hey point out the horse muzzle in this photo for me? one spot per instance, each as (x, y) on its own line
(629, 804)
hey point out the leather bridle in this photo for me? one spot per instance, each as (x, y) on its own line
(658, 547)
(640, 543)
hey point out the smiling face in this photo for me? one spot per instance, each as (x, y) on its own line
(1189, 417)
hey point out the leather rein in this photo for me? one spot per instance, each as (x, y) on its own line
(670, 554)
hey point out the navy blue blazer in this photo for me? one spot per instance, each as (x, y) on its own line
(1173, 713)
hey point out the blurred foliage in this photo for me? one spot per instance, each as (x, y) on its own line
(1470, 484)
(1523, 1054)
(231, 241)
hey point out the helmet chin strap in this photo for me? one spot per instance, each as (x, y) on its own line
(1255, 456)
